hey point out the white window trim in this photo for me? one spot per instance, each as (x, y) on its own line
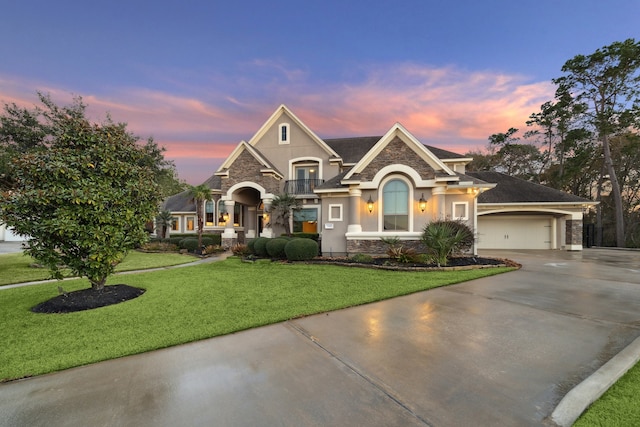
(186, 223)
(380, 208)
(318, 218)
(466, 211)
(340, 210)
(288, 129)
(304, 161)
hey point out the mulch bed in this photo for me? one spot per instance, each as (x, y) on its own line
(463, 262)
(87, 299)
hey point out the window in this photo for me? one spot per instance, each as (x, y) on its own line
(175, 225)
(283, 133)
(460, 210)
(191, 223)
(395, 204)
(305, 179)
(208, 210)
(305, 220)
(335, 212)
(238, 220)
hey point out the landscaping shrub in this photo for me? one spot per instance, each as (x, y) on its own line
(300, 234)
(212, 249)
(174, 240)
(397, 251)
(275, 247)
(209, 241)
(260, 246)
(445, 238)
(301, 249)
(362, 258)
(250, 247)
(157, 246)
(190, 244)
(240, 250)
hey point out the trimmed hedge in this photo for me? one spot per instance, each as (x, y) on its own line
(301, 249)
(275, 247)
(207, 239)
(250, 244)
(260, 246)
(190, 244)
(313, 236)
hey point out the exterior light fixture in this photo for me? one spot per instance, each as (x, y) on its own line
(422, 203)
(370, 204)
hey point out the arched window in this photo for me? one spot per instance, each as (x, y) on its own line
(395, 205)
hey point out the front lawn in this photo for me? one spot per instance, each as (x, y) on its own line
(618, 406)
(17, 268)
(189, 304)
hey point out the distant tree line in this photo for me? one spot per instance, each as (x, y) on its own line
(585, 141)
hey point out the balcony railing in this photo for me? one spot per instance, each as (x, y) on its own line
(302, 186)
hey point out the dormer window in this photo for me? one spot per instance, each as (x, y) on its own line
(284, 133)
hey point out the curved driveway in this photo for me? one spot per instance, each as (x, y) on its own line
(501, 350)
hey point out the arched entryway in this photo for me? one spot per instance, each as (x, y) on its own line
(245, 206)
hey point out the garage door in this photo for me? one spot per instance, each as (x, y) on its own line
(514, 232)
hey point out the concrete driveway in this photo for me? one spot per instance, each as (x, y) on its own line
(496, 351)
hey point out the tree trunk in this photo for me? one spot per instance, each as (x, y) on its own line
(97, 284)
(615, 190)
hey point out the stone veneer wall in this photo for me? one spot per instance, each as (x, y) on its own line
(378, 247)
(397, 152)
(247, 168)
(574, 232)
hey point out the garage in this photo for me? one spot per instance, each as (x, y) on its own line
(515, 232)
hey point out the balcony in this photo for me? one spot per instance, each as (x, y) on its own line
(301, 186)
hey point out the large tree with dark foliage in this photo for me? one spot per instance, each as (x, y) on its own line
(81, 192)
(607, 84)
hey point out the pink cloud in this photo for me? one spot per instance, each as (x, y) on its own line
(446, 107)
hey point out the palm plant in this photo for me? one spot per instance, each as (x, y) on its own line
(199, 194)
(444, 238)
(163, 221)
(282, 208)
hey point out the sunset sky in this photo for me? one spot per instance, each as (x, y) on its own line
(200, 76)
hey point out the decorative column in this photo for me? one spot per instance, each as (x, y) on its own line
(251, 222)
(354, 225)
(267, 231)
(229, 235)
(440, 208)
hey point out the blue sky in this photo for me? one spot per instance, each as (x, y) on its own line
(199, 76)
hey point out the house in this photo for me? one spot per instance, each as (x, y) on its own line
(355, 191)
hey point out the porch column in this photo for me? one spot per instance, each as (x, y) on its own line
(355, 196)
(440, 207)
(229, 235)
(267, 231)
(251, 222)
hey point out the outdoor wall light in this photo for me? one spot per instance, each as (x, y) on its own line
(370, 204)
(422, 203)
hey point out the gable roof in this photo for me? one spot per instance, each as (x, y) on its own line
(353, 149)
(267, 166)
(421, 150)
(181, 202)
(515, 190)
(283, 110)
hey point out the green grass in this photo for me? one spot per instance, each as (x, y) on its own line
(189, 304)
(16, 268)
(618, 406)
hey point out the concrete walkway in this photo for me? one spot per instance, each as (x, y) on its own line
(502, 350)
